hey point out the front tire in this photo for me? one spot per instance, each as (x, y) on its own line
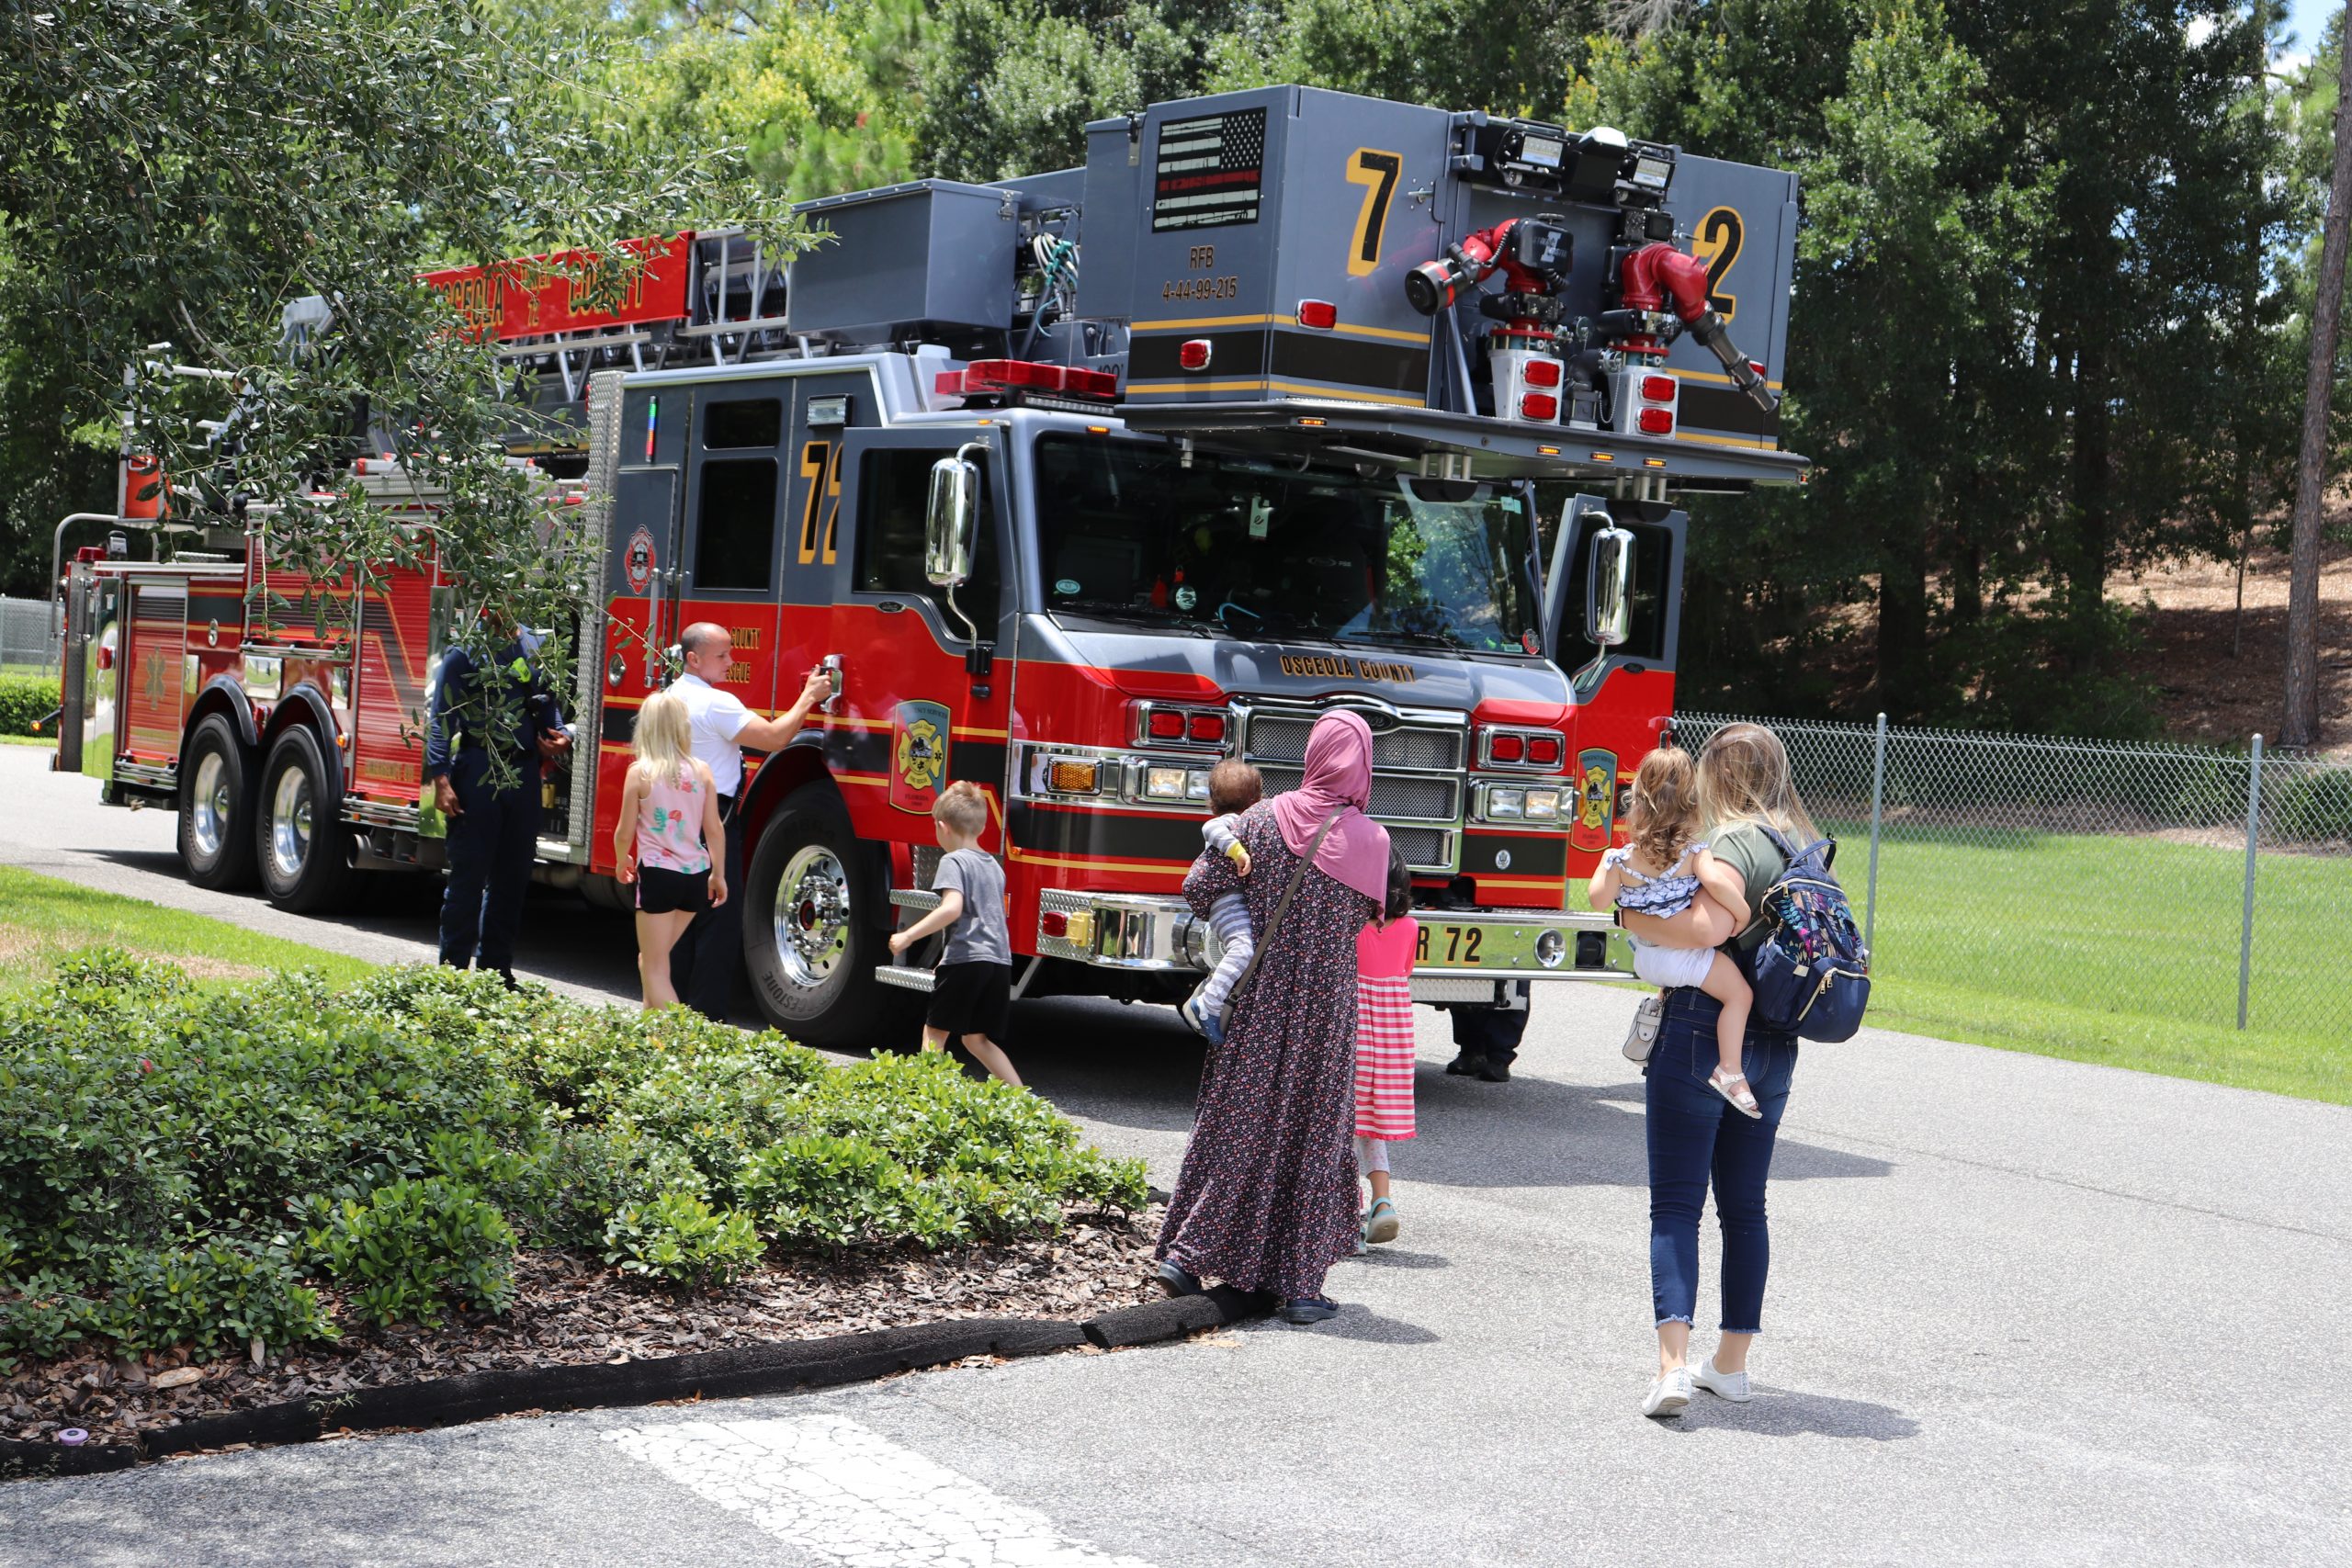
(216, 808)
(300, 845)
(813, 931)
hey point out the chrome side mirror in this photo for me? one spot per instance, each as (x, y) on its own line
(951, 519)
(1608, 588)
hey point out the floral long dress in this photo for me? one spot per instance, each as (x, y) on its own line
(1267, 1198)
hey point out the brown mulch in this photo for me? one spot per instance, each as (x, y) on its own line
(569, 1309)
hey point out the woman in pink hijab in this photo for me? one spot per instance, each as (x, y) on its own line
(1267, 1198)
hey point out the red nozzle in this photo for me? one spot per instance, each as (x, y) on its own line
(1657, 272)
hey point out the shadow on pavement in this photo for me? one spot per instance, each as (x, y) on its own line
(1785, 1413)
(1362, 1323)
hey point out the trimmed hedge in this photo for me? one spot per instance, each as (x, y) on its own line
(25, 701)
(187, 1167)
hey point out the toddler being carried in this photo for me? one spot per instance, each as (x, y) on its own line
(1234, 788)
(1664, 869)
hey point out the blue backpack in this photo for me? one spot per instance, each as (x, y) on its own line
(1811, 972)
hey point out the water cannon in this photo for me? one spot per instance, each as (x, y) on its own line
(1532, 254)
(1662, 291)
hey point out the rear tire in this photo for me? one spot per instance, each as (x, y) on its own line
(814, 931)
(216, 808)
(302, 847)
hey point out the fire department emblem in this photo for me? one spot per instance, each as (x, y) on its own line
(1596, 800)
(638, 560)
(917, 754)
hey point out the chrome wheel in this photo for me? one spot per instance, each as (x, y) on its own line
(812, 916)
(210, 804)
(290, 824)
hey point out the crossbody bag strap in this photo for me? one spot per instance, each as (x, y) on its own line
(1266, 938)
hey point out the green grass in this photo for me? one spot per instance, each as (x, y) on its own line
(2118, 951)
(42, 919)
(48, 741)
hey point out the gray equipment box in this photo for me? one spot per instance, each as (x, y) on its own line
(925, 258)
(1223, 214)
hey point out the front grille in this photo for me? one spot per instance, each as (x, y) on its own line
(1283, 739)
(1393, 794)
(1425, 848)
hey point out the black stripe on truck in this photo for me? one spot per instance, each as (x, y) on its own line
(1357, 362)
(1724, 410)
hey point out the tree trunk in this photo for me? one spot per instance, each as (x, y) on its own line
(2301, 721)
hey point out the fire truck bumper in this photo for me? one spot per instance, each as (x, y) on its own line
(1466, 955)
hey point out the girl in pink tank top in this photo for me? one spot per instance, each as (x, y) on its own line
(670, 842)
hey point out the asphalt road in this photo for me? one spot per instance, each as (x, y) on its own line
(2022, 1311)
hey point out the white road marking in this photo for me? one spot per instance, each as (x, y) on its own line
(828, 1485)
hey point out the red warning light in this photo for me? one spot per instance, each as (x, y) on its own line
(1321, 314)
(1194, 354)
(1658, 388)
(1542, 373)
(1539, 405)
(1657, 422)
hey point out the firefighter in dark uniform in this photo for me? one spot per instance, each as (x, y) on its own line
(493, 823)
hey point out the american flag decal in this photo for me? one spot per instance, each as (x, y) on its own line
(1209, 169)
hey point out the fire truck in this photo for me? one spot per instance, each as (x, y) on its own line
(1286, 401)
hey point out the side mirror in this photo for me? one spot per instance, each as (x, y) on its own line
(950, 521)
(1608, 588)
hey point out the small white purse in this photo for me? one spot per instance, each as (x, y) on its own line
(1642, 1037)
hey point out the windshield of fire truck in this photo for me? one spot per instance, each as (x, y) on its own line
(1259, 547)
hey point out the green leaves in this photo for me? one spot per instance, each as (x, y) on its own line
(187, 1167)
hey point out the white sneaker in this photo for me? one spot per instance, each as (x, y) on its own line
(1669, 1394)
(1723, 1385)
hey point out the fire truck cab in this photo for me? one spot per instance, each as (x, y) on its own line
(1288, 400)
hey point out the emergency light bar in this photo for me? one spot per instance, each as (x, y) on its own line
(994, 377)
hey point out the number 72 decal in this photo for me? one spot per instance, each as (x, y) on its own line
(1378, 173)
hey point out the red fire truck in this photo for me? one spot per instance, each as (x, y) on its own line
(1287, 400)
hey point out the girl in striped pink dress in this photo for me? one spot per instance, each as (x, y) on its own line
(1385, 953)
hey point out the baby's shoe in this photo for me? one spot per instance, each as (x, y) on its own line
(1202, 1021)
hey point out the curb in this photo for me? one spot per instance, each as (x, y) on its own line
(771, 1367)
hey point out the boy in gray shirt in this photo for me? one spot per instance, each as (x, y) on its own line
(971, 995)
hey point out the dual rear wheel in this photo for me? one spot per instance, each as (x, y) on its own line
(283, 830)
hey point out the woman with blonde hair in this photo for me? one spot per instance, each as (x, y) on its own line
(670, 840)
(1744, 787)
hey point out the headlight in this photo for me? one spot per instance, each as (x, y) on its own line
(1508, 804)
(1543, 806)
(1166, 783)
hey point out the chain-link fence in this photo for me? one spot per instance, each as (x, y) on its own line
(2168, 887)
(28, 637)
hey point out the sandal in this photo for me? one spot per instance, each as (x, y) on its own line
(1380, 1222)
(1741, 1099)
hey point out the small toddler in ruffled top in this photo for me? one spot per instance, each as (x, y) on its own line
(1663, 869)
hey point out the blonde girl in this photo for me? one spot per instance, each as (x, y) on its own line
(1664, 869)
(669, 842)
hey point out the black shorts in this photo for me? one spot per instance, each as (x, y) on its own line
(661, 891)
(971, 998)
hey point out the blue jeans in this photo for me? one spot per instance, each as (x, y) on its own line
(1696, 1135)
(492, 841)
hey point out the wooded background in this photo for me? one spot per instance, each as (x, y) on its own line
(2053, 281)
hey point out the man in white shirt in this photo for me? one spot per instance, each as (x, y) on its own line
(703, 963)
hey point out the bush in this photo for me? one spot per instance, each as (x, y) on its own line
(677, 1238)
(412, 1243)
(2309, 805)
(180, 1165)
(25, 701)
